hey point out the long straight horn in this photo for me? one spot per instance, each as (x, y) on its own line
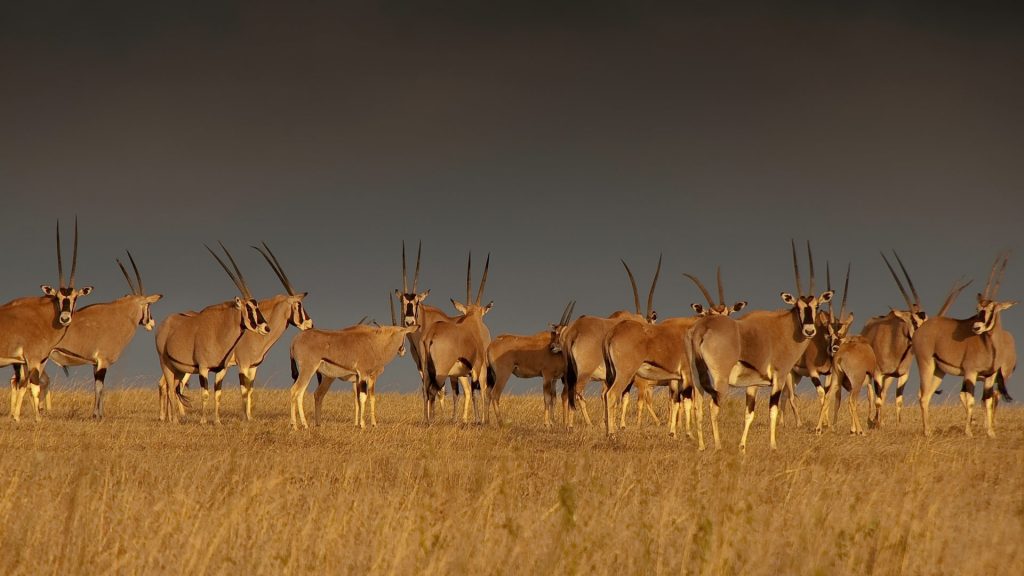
(469, 281)
(391, 303)
(632, 282)
(568, 317)
(703, 290)
(954, 292)
(405, 281)
(126, 276)
(565, 314)
(74, 258)
(276, 265)
(917, 299)
(721, 288)
(227, 270)
(796, 269)
(828, 286)
(416, 276)
(241, 279)
(650, 295)
(991, 276)
(483, 279)
(846, 291)
(137, 275)
(897, 279)
(272, 266)
(60, 259)
(999, 277)
(810, 260)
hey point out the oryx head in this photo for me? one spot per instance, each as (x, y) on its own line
(914, 315)
(408, 301)
(650, 316)
(251, 317)
(404, 330)
(65, 295)
(805, 306)
(145, 317)
(472, 306)
(555, 331)
(837, 327)
(988, 307)
(720, 309)
(296, 312)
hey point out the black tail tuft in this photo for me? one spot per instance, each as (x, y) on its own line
(491, 376)
(295, 370)
(571, 375)
(1001, 384)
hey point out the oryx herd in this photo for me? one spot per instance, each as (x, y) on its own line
(695, 357)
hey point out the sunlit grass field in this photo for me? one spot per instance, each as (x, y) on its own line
(133, 495)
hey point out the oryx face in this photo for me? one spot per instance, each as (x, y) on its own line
(252, 317)
(806, 309)
(410, 303)
(65, 298)
(555, 332)
(912, 319)
(718, 309)
(146, 320)
(985, 319)
(297, 313)
(838, 332)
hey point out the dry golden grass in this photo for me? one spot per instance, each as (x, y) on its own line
(132, 495)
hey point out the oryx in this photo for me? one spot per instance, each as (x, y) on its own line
(458, 349)
(582, 343)
(416, 313)
(536, 355)
(759, 349)
(31, 327)
(976, 347)
(853, 363)
(357, 354)
(280, 311)
(891, 337)
(101, 332)
(198, 342)
(657, 352)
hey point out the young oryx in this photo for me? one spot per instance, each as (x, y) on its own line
(582, 343)
(198, 342)
(459, 349)
(101, 332)
(252, 348)
(528, 357)
(758, 349)
(853, 363)
(31, 327)
(976, 347)
(357, 354)
(422, 316)
(657, 352)
(890, 337)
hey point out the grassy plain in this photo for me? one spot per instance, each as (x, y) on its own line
(131, 495)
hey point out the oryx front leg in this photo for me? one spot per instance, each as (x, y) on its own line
(967, 398)
(246, 380)
(748, 418)
(773, 409)
(99, 375)
(297, 396)
(323, 385)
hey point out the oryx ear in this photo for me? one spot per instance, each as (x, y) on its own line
(980, 298)
(1007, 305)
(303, 295)
(48, 290)
(398, 294)
(423, 296)
(900, 314)
(458, 306)
(238, 303)
(826, 296)
(85, 291)
(739, 306)
(488, 307)
(697, 308)
(153, 298)
(788, 298)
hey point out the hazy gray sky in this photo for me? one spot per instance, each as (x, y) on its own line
(558, 136)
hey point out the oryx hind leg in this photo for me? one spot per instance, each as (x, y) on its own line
(901, 383)
(204, 385)
(99, 375)
(748, 417)
(778, 384)
(967, 399)
(218, 381)
(323, 385)
(297, 396)
(246, 379)
(370, 385)
(990, 396)
(931, 379)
